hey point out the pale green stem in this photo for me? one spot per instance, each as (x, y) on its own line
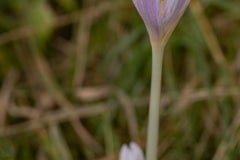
(154, 108)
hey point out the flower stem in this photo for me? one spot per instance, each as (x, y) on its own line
(154, 108)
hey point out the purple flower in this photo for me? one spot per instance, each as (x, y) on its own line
(131, 152)
(160, 16)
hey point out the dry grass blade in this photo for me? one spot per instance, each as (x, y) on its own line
(93, 93)
(81, 49)
(54, 116)
(186, 92)
(48, 145)
(24, 111)
(58, 96)
(234, 138)
(5, 93)
(59, 142)
(128, 107)
(204, 94)
(208, 33)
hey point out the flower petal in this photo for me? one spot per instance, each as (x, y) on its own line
(174, 9)
(124, 153)
(149, 11)
(131, 152)
(160, 16)
(136, 151)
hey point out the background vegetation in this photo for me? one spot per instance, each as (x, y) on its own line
(75, 76)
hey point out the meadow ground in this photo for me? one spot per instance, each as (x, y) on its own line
(75, 79)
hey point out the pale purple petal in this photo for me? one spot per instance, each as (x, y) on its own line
(131, 152)
(149, 11)
(137, 153)
(174, 9)
(124, 153)
(160, 16)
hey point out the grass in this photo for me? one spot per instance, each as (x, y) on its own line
(75, 80)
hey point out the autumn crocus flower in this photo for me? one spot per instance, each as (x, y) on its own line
(160, 18)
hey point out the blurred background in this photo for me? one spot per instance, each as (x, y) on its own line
(75, 77)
